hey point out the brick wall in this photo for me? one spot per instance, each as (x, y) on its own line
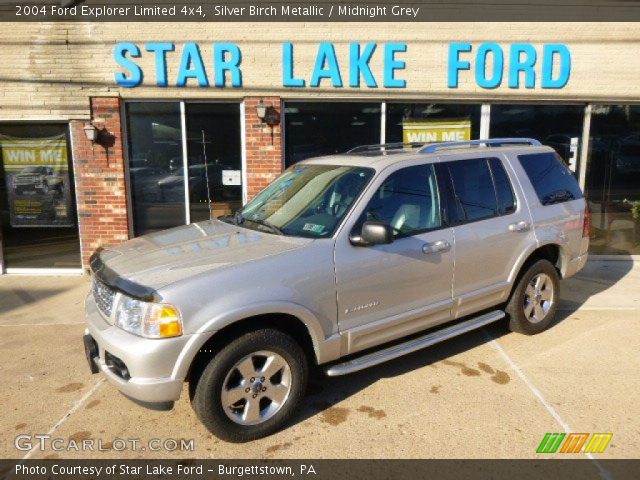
(264, 146)
(100, 180)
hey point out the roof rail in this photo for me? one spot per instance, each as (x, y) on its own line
(383, 147)
(493, 142)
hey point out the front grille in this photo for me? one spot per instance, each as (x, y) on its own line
(103, 296)
(26, 180)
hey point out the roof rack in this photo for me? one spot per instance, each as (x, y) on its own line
(382, 148)
(493, 142)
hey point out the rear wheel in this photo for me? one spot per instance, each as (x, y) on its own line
(534, 300)
(252, 387)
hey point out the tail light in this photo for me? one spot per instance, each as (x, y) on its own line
(586, 226)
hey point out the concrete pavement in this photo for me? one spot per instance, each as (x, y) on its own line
(489, 393)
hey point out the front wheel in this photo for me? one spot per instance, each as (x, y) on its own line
(252, 386)
(534, 300)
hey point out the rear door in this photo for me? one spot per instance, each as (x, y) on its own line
(389, 291)
(492, 229)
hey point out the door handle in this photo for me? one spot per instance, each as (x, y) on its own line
(436, 247)
(519, 227)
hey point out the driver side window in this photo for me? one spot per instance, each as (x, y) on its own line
(407, 200)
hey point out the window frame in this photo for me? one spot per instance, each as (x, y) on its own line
(495, 187)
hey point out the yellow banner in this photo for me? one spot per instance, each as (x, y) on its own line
(18, 153)
(37, 181)
(428, 131)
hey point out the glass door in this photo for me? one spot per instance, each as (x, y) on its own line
(156, 168)
(185, 162)
(37, 198)
(214, 159)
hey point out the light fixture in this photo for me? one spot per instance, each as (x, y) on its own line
(91, 132)
(261, 110)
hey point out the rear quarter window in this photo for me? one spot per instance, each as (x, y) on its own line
(551, 180)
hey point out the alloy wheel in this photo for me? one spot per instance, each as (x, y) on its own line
(539, 297)
(256, 388)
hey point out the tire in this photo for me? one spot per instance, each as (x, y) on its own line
(274, 396)
(534, 301)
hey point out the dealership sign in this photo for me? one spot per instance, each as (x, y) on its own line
(547, 66)
(526, 68)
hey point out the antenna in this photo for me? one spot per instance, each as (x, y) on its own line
(206, 175)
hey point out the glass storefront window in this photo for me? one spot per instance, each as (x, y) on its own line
(613, 179)
(313, 129)
(156, 175)
(559, 126)
(38, 219)
(432, 122)
(215, 159)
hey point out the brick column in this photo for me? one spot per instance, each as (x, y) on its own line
(264, 146)
(100, 180)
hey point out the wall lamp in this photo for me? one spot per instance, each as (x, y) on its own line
(101, 136)
(267, 114)
(91, 132)
(261, 110)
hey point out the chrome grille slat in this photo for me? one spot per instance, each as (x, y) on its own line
(103, 296)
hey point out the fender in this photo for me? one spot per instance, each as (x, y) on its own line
(527, 253)
(326, 346)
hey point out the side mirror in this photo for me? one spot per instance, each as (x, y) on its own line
(373, 233)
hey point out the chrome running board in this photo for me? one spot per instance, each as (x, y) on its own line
(413, 345)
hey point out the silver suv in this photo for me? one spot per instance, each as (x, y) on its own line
(343, 262)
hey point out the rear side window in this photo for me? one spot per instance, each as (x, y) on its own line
(473, 189)
(504, 190)
(551, 180)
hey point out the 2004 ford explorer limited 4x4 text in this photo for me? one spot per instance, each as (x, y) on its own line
(343, 262)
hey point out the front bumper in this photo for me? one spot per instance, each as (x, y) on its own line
(148, 376)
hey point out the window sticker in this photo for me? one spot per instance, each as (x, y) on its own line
(312, 227)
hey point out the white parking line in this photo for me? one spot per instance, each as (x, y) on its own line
(604, 473)
(598, 309)
(64, 418)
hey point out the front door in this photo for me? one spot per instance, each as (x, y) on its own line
(389, 291)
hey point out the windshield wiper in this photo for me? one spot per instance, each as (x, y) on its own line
(557, 197)
(235, 219)
(227, 219)
(264, 223)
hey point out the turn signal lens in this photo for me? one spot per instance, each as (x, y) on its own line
(163, 321)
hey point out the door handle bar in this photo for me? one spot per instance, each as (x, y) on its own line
(519, 227)
(436, 247)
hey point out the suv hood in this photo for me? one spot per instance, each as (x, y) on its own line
(160, 259)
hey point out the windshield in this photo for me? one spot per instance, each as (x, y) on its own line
(305, 201)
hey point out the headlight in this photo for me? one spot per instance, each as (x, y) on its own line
(152, 320)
